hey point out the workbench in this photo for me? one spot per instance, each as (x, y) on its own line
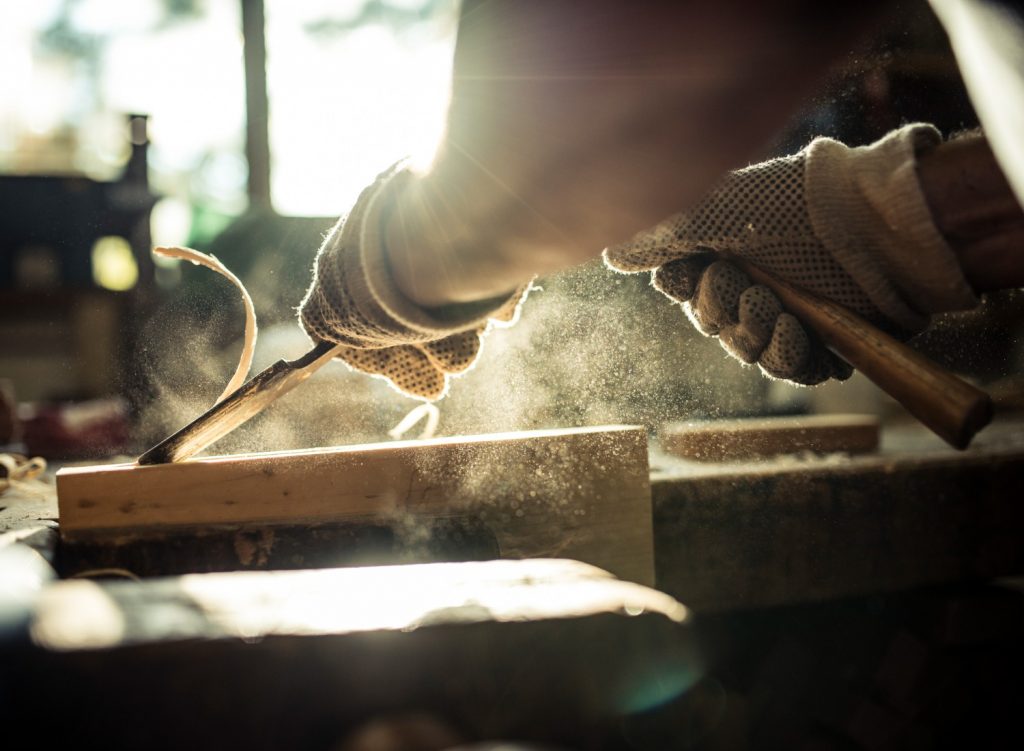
(800, 529)
(830, 602)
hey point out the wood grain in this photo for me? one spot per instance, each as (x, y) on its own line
(731, 537)
(717, 440)
(580, 493)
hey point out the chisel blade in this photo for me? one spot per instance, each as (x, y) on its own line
(249, 400)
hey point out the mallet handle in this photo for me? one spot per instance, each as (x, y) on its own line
(950, 407)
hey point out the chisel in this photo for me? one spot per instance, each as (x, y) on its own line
(246, 402)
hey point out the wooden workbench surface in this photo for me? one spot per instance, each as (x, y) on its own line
(901, 443)
(811, 528)
(751, 534)
(833, 597)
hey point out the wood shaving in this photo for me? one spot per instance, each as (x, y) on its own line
(100, 572)
(249, 345)
(427, 410)
(17, 470)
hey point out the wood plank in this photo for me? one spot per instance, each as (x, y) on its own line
(716, 440)
(579, 493)
(277, 547)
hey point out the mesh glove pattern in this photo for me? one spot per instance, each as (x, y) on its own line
(850, 225)
(353, 301)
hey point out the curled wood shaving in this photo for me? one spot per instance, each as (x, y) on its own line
(96, 572)
(249, 345)
(427, 410)
(16, 469)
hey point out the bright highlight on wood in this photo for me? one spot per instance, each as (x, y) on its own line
(580, 493)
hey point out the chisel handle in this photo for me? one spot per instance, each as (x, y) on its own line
(952, 408)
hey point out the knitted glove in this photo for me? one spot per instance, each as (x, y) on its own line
(353, 301)
(849, 224)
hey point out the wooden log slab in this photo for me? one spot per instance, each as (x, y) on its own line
(579, 493)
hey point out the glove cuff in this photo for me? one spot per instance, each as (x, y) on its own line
(371, 275)
(354, 295)
(866, 201)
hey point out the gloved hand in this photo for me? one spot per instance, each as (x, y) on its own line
(849, 224)
(353, 301)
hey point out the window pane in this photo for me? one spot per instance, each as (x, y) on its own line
(73, 70)
(353, 87)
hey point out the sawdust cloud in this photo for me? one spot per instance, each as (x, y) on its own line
(187, 363)
(591, 347)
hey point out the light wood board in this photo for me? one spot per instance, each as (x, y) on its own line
(580, 493)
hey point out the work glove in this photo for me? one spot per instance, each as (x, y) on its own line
(848, 224)
(353, 301)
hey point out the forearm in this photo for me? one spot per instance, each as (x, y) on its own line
(574, 126)
(975, 210)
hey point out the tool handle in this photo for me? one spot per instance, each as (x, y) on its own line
(953, 409)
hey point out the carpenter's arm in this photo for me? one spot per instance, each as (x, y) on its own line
(974, 208)
(574, 125)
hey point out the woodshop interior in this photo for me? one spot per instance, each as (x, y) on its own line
(615, 540)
